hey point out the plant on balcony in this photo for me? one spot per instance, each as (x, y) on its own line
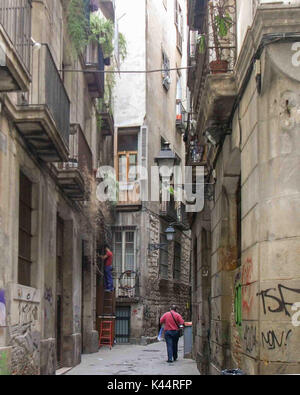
(220, 23)
(102, 31)
(78, 25)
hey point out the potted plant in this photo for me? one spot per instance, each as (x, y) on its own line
(221, 22)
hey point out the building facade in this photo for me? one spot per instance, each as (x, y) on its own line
(245, 274)
(50, 223)
(149, 111)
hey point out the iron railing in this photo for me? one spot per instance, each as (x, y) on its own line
(80, 156)
(168, 210)
(94, 59)
(126, 284)
(196, 155)
(15, 17)
(212, 47)
(180, 115)
(47, 89)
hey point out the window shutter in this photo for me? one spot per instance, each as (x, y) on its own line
(143, 160)
(143, 147)
(176, 12)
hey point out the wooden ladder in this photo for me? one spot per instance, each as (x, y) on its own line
(108, 305)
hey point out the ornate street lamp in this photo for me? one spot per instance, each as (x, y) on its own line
(166, 157)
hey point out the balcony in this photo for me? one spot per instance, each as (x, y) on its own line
(43, 118)
(168, 211)
(182, 218)
(180, 117)
(15, 45)
(127, 286)
(212, 82)
(129, 196)
(93, 63)
(71, 175)
(197, 153)
(106, 120)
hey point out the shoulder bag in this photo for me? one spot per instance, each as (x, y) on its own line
(180, 329)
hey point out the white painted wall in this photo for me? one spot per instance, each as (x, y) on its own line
(130, 90)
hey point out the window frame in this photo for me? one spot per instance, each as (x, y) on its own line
(127, 154)
(25, 205)
(177, 262)
(123, 249)
(163, 253)
(178, 20)
(166, 70)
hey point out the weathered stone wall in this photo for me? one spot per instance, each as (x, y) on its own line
(160, 293)
(28, 323)
(253, 321)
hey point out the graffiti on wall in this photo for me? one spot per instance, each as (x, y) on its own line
(272, 341)
(250, 340)
(283, 296)
(2, 308)
(247, 272)
(25, 333)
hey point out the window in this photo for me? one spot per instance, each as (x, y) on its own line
(179, 25)
(166, 71)
(124, 251)
(127, 168)
(25, 235)
(163, 257)
(177, 260)
(180, 111)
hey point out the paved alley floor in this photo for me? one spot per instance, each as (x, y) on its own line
(135, 360)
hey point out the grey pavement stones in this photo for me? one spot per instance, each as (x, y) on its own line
(135, 360)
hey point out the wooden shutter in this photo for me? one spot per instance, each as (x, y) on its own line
(143, 159)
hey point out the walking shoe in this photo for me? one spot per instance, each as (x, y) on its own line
(169, 361)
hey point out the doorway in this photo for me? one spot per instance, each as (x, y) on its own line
(59, 290)
(122, 334)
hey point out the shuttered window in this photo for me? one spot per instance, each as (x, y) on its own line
(179, 25)
(163, 257)
(177, 260)
(124, 247)
(25, 236)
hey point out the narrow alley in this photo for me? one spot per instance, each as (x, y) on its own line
(135, 360)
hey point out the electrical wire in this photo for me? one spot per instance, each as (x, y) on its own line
(124, 71)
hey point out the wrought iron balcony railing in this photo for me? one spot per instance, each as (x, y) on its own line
(216, 47)
(15, 17)
(43, 115)
(168, 210)
(180, 116)
(47, 89)
(94, 62)
(126, 284)
(80, 153)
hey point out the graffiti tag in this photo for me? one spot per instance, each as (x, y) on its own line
(280, 299)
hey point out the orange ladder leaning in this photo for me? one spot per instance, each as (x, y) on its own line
(106, 334)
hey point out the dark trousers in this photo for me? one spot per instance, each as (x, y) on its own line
(172, 338)
(108, 280)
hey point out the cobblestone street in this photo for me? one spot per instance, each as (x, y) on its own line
(135, 360)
